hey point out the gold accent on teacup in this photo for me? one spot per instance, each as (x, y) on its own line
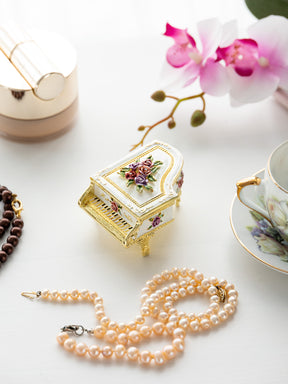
(248, 181)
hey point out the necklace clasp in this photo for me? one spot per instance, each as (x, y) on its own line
(31, 295)
(77, 330)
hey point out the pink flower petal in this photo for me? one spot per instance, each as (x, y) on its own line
(214, 79)
(242, 55)
(180, 36)
(210, 32)
(178, 55)
(257, 87)
(191, 73)
(271, 34)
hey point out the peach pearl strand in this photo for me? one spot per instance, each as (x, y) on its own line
(158, 298)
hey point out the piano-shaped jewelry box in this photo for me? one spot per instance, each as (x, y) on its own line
(137, 195)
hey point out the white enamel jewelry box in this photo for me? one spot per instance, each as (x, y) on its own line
(136, 196)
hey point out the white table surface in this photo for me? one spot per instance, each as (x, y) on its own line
(121, 51)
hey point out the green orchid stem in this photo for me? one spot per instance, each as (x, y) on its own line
(171, 114)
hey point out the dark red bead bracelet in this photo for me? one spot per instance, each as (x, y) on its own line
(11, 219)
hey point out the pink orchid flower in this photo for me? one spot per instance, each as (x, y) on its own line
(203, 63)
(256, 70)
(242, 55)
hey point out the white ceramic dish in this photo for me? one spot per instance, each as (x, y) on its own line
(266, 249)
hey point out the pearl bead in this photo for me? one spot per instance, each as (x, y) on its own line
(182, 292)
(105, 321)
(214, 299)
(98, 300)
(45, 293)
(69, 344)
(170, 326)
(94, 351)
(178, 344)
(132, 353)
(112, 325)
(120, 351)
(191, 272)
(145, 357)
(110, 336)
(81, 349)
(199, 289)
(174, 295)
(179, 333)
(229, 308)
(222, 283)
(145, 290)
(62, 337)
(99, 315)
(214, 306)
(172, 311)
(190, 289)
(139, 319)
(205, 324)
(173, 318)
(213, 280)
(54, 294)
(198, 276)
(167, 306)
(159, 358)
(229, 286)
(122, 338)
(99, 307)
(145, 311)
(63, 295)
(205, 283)
(145, 331)
(194, 325)
(158, 328)
(169, 352)
(84, 293)
(232, 292)
(163, 316)
(107, 351)
(99, 331)
(74, 294)
(134, 336)
(214, 319)
(184, 323)
(93, 296)
(223, 315)
(212, 290)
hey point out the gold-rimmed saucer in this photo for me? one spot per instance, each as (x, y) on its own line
(243, 223)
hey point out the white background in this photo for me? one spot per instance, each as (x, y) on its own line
(121, 52)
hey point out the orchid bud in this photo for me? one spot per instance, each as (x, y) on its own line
(158, 96)
(171, 124)
(141, 128)
(198, 117)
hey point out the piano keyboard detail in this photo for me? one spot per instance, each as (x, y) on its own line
(107, 211)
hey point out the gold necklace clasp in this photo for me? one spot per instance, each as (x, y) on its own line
(31, 295)
(17, 205)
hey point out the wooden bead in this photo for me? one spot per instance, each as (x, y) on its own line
(3, 256)
(16, 231)
(18, 223)
(12, 240)
(7, 196)
(4, 223)
(8, 215)
(8, 248)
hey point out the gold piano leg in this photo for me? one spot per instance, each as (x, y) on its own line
(178, 200)
(144, 244)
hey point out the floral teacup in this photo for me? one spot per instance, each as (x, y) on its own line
(269, 196)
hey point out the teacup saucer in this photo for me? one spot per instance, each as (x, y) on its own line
(263, 247)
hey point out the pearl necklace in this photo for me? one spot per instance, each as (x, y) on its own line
(157, 297)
